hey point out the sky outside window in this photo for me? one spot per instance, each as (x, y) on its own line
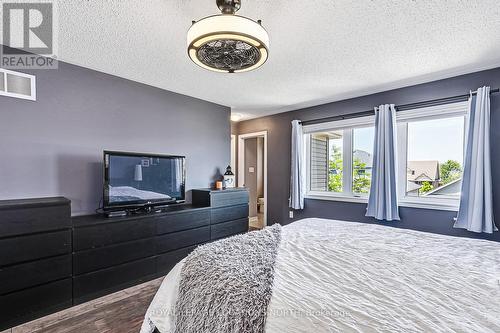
(438, 139)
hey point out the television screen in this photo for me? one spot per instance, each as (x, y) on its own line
(142, 179)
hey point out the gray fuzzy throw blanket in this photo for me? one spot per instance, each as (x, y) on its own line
(226, 286)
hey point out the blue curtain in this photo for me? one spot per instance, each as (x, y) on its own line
(296, 200)
(383, 201)
(476, 200)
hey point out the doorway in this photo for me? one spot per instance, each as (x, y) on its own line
(252, 174)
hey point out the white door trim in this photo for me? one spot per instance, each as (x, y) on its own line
(241, 163)
(233, 153)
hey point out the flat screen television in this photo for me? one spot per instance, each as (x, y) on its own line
(139, 179)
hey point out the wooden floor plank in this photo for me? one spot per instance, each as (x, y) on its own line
(121, 312)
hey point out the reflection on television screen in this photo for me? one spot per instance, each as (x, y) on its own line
(138, 179)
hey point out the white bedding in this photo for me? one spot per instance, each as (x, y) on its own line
(335, 276)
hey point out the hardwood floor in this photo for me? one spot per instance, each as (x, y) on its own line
(121, 312)
(256, 222)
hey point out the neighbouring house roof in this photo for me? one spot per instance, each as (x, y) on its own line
(423, 171)
(452, 188)
(411, 186)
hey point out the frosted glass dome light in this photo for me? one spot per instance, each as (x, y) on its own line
(228, 43)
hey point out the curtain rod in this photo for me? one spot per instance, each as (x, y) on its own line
(402, 107)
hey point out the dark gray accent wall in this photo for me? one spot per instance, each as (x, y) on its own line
(54, 146)
(279, 132)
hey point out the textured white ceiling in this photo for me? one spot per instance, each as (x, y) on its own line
(321, 50)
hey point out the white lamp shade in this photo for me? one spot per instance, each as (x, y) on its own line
(227, 27)
(230, 24)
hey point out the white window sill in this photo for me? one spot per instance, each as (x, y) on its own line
(336, 197)
(448, 205)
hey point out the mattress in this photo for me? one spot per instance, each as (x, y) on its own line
(337, 276)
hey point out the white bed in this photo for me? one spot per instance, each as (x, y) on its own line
(335, 276)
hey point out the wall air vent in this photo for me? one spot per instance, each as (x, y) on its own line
(18, 85)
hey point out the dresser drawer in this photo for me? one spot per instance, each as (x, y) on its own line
(176, 240)
(229, 213)
(223, 199)
(230, 228)
(165, 262)
(112, 233)
(103, 257)
(34, 219)
(25, 248)
(95, 284)
(27, 275)
(34, 302)
(182, 221)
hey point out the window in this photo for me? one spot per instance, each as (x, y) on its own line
(339, 157)
(431, 154)
(327, 161)
(435, 156)
(362, 159)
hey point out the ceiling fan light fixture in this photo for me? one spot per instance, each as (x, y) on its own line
(228, 43)
(236, 117)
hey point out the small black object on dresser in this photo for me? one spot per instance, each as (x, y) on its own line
(229, 210)
(35, 258)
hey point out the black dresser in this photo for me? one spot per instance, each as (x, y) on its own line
(229, 210)
(50, 261)
(35, 258)
(111, 254)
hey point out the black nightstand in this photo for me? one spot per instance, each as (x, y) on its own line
(229, 210)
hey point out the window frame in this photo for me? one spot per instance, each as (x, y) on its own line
(402, 119)
(347, 125)
(459, 109)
